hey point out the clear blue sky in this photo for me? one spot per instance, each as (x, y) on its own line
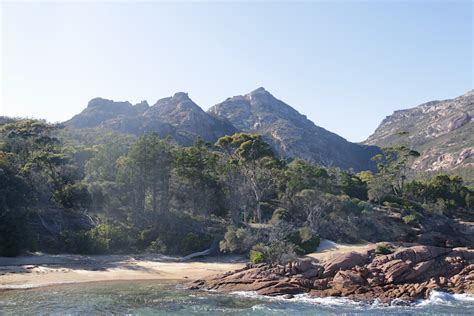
(346, 65)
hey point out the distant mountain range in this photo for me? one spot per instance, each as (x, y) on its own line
(290, 133)
(441, 130)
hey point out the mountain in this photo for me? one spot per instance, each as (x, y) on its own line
(442, 131)
(177, 116)
(290, 133)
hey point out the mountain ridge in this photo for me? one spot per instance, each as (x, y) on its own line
(441, 130)
(291, 134)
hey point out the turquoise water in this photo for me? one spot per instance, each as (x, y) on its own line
(158, 298)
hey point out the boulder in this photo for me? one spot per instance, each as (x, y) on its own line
(407, 274)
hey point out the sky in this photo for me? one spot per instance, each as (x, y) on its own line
(344, 64)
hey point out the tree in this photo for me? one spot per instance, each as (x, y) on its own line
(314, 205)
(146, 171)
(197, 166)
(255, 160)
(394, 163)
(353, 186)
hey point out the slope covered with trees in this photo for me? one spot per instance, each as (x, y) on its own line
(91, 191)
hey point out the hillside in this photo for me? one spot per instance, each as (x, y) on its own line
(442, 131)
(177, 116)
(290, 133)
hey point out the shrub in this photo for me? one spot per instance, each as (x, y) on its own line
(365, 207)
(157, 246)
(410, 219)
(116, 236)
(383, 249)
(305, 240)
(14, 236)
(237, 240)
(83, 242)
(279, 249)
(193, 243)
(256, 256)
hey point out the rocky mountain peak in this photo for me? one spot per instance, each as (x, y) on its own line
(181, 96)
(440, 130)
(290, 133)
(106, 103)
(178, 103)
(258, 91)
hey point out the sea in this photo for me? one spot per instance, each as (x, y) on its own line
(170, 298)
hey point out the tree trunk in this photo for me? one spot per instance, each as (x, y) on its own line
(259, 212)
(154, 203)
(164, 198)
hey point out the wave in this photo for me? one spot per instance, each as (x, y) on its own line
(444, 298)
(436, 298)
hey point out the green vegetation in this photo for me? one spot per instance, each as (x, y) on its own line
(257, 256)
(383, 249)
(87, 192)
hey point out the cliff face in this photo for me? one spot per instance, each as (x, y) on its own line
(290, 133)
(177, 116)
(442, 131)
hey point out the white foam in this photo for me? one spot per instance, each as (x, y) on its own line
(444, 298)
(436, 298)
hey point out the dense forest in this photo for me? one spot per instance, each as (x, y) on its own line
(91, 191)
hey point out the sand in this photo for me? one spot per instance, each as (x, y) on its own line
(328, 249)
(43, 270)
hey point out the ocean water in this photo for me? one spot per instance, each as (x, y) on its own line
(167, 298)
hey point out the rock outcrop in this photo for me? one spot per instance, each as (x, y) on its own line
(407, 274)
(442, 131)
(290, 133)
(177, 116)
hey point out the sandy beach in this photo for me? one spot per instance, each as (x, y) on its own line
(43, 270)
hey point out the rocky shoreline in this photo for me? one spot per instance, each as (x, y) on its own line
(407, 274)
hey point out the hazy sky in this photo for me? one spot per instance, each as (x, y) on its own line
(344, 64)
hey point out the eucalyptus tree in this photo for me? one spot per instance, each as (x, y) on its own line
(394, 165)
(255, 160)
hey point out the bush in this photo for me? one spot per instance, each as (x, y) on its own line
(237, 240)
(410, 219)
(84, 242)
(394, 201)
(383, 249)
(365, 207)
(14, 236)
(101, 239)
(157, 246)
(75, 196)
(305, 240)
(193, 243)
(257, 256)
(117, 236)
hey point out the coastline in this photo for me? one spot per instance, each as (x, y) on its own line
(45, 270)
(39, 269)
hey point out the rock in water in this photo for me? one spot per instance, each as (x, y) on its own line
(407, 274)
